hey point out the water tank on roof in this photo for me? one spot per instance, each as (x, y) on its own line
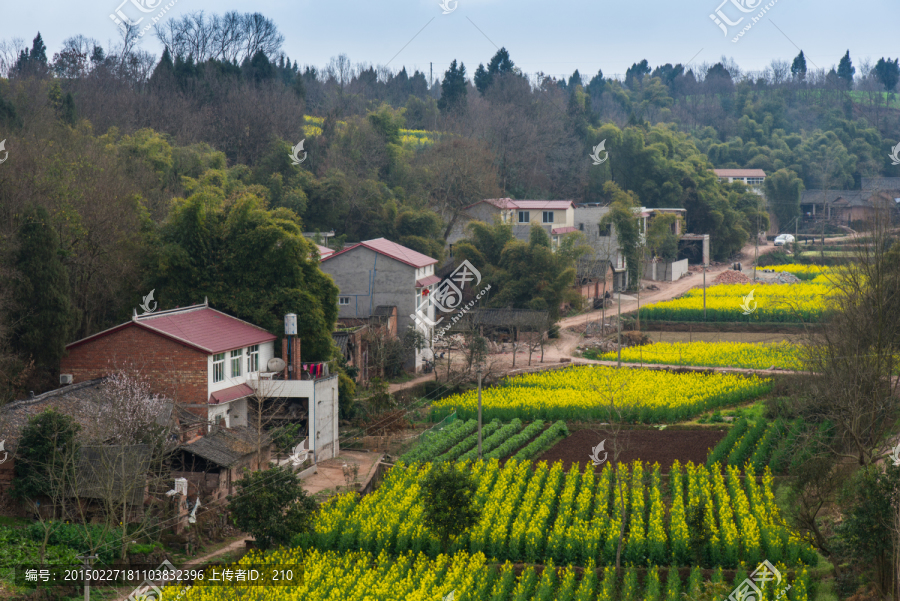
(290, 324)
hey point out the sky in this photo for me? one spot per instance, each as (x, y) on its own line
(550, 37)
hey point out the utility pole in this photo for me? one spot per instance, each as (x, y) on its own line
(88, 561)
(430, 75)
(478, 369)
(619, 330)
(704, 292)
(756, 253)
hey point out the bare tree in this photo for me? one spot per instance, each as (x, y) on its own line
(854, 356)
(9, 54)
(229, 37)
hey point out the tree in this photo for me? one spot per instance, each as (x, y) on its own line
(636, 71)
(888, 73)
(458, 172)
(798, 67)
(42, 314)
(45, 467)
(855, 354)
(449, 504)
(46, 441)
(846, 70)
(662, 241)
(129, 410)
(868, 530)
(453, 89)
(500, 64)
(783, 191)
(622, 217)
(249, 261)
(272, 506)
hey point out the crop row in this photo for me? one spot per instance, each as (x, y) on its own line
(493, 441)
(539, 513)
(543, 442)
(460, 449)
(441, 441)
(772, 444)
(360, 576)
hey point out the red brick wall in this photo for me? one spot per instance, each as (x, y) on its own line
(174, 370)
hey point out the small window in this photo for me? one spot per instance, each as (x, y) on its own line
(548, 216)
(343, 300)
(605, 229)
(524, 216)
(218, 367)
(236, 362)
(580, 227)
(253, 358)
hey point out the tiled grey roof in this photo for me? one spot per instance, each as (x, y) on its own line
(227, 446)
(881, 183)
(113, 471)
(80, 401)
(340, 339)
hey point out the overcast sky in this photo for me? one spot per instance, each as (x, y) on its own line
(553, 37)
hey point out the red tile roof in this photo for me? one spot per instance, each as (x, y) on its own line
(427, 281)
(509, 203)
(563, 230)
(739, 172)
(324, 252)
(198, 326)
(392, 250)
(229, 394)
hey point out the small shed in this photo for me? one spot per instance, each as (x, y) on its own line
(214, 463)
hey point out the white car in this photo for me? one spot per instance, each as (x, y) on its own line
(784, 239)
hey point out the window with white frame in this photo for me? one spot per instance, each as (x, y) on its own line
(524, 216)
(253, 358)
(218, 367)
(548, 217)
(236, 362)
(343, 300)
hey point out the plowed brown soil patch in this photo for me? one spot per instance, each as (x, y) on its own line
(662, 446)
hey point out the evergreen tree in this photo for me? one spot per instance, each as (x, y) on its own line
(888, 73)
(846, 70)
(453, 88)
(164, 69)
(500, 64)
(798, 67)
(42, 312)
(38, 54)
(260, 69)
(637, 70)
(597, 84)
(574, 80)
(44, 461)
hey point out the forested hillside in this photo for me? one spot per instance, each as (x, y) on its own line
(128, 172)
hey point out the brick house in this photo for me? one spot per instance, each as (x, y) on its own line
(212, 364)
(202, 358)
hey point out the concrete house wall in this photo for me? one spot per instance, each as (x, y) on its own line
(369, 279)
(604, 249)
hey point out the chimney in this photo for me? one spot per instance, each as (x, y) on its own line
(290, 351)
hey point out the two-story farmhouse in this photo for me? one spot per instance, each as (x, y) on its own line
(380, 273)
(557, 217)
(210, 364)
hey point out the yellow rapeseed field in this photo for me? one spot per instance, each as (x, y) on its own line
(585, 392)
